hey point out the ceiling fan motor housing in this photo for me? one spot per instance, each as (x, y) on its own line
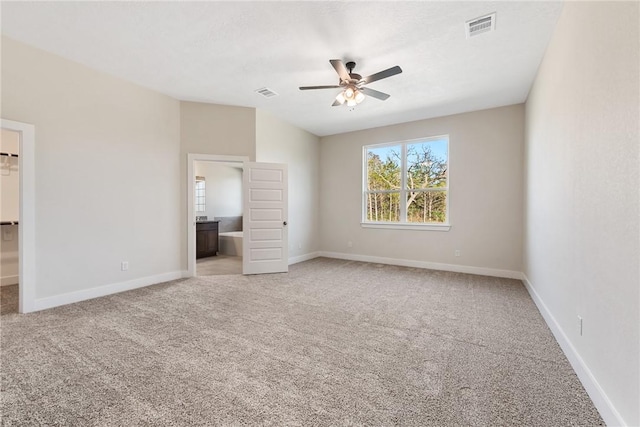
(354, 77)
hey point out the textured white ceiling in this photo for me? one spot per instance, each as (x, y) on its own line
(221, 52)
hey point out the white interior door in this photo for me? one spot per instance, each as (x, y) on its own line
(264, 224)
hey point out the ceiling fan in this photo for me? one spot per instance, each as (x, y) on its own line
(353, 85)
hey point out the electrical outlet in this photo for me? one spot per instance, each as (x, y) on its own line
(124, 266)
(299, 245)
(456, 252)
(349, 244)
(580, 325)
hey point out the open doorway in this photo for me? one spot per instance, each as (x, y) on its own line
(215, 214)
(218, 210)
(17, 238)
(9, 220)
(263, 221)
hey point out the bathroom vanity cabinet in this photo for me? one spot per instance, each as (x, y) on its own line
(206, 239)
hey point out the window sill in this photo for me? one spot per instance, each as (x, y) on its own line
(406, 226)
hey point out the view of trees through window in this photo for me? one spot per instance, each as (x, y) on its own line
(407, 182)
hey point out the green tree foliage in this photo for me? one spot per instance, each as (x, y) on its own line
(426, 183)
(425, 171)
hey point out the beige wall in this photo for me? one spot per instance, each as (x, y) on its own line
(212, 129)
(107, 171)
(217, 129)
(223, 189)
(485, 149)
(582, 236)
(280, 142)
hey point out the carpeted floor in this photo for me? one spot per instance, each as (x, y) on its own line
(330, 343)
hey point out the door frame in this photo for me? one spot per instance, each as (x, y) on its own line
(27, 217)
(191, 214)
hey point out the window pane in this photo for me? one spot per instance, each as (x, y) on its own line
(383, 207)
(427, 164)
(426, 206)
(383, 168)
(200, 194)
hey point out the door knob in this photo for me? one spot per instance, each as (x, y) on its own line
(284, 223)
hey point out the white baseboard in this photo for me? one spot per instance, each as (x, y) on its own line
(9, 280)
(494, 272)
(305, 257)
(100, 291)
(600, 399)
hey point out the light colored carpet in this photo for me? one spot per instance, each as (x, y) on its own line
(219, 265)
(330, 343)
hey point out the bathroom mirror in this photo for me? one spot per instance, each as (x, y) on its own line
(200, 195)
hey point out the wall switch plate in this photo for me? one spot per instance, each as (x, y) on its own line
(124, 266)
(456, 252)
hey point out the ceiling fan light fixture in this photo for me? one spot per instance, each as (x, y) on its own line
(349, 93)
(352, 103)
(340, 98)
(359, 97)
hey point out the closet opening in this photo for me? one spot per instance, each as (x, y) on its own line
(17, 215)
(9, 221)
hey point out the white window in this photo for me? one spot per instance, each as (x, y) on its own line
(200, 194)
(407, 184)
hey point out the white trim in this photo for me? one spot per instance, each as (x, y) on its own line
(406, 226)
(100, 291)
(302, 258)
(494, 272)
(27, 235)
(600, 399)
(191, 215)
(9, 280)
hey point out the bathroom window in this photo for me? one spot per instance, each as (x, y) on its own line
(200, 194)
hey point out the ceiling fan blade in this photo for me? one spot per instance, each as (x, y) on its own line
(382, 75)
(318, 87)
(375, 93)
(336, 103)
(340, 69)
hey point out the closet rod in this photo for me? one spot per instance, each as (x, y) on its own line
(9, 154)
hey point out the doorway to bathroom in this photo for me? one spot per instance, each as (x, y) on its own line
(218, 216)
(214, 205)
(258, 236)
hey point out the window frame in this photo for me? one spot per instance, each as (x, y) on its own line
(403, 224)
(200, 193)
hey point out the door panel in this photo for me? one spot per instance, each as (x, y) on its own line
(265, 241)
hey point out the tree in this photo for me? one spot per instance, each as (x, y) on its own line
(426, 183)
(426, 173)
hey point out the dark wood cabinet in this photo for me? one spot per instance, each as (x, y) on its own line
(206, 239)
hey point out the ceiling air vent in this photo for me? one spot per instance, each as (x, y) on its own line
(481, 25)
(266, 92)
